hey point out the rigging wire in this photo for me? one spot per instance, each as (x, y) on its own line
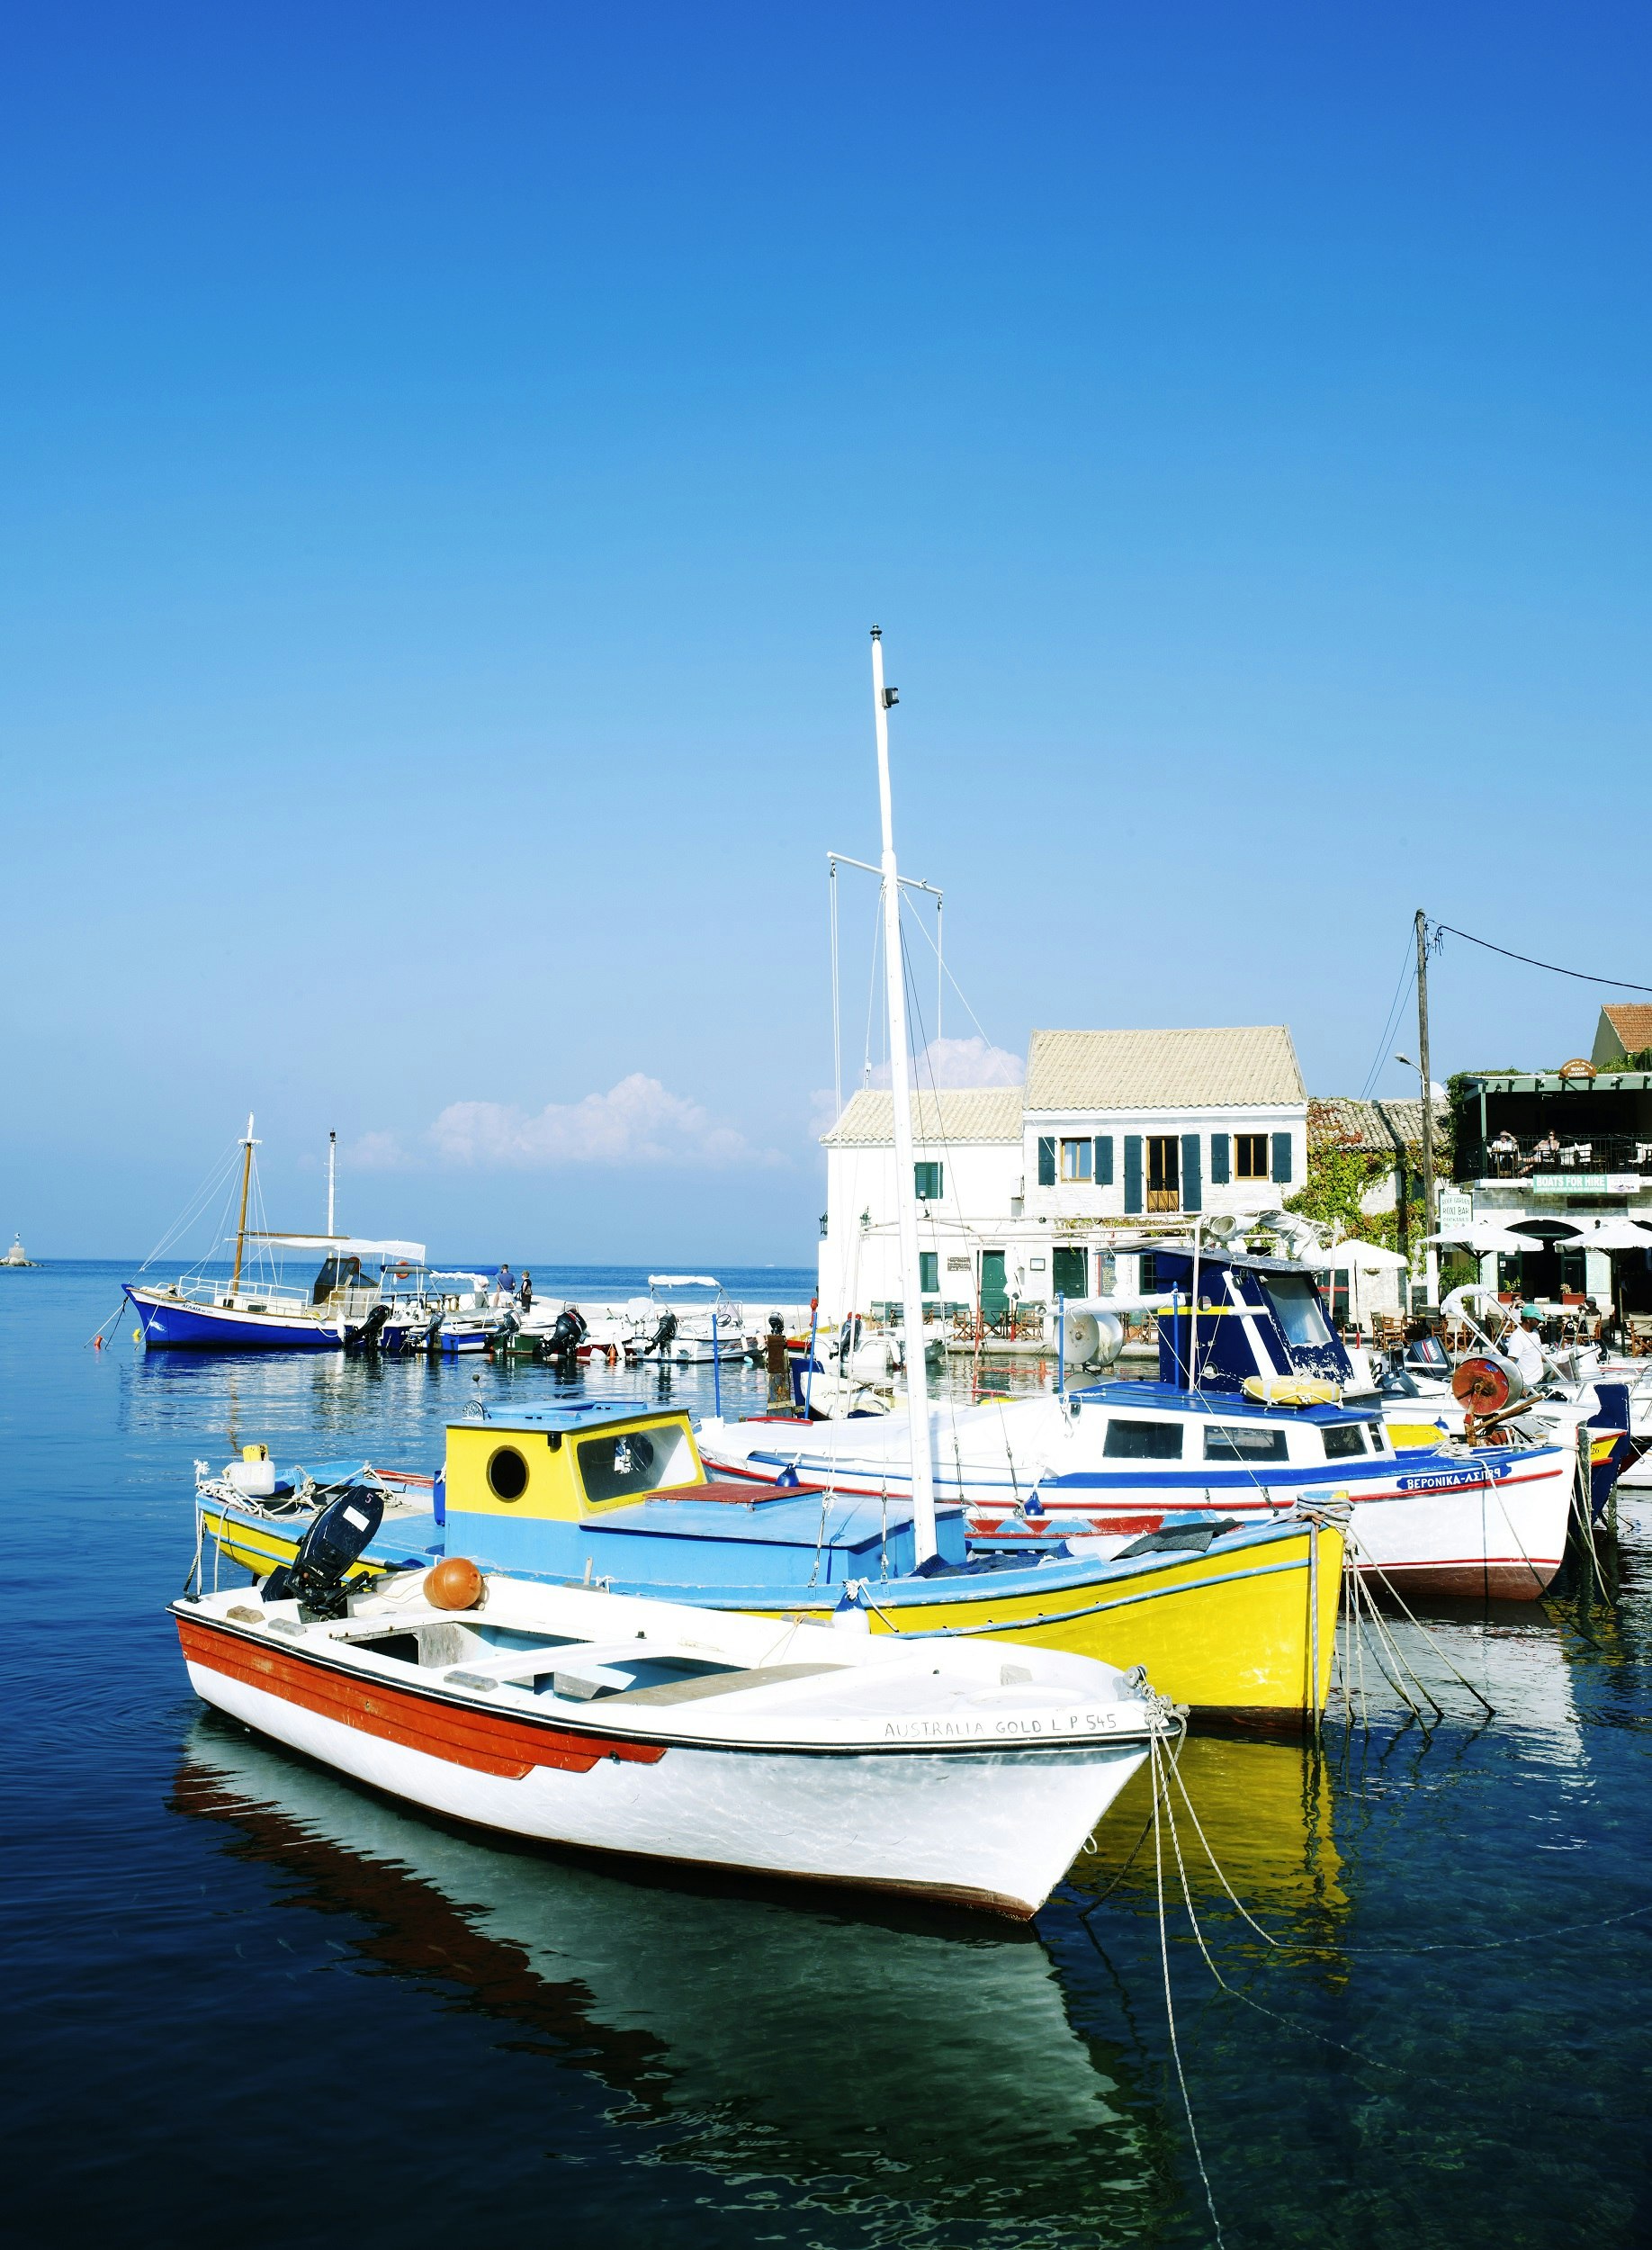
(1390, 1027)
(950, 977)
(1581, 976)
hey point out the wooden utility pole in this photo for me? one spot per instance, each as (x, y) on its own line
(1430, 1220)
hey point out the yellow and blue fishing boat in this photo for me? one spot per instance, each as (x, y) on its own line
(1237, 1622)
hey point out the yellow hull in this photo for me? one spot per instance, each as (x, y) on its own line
(1231, 1633)
(259, 1548)
(1228, 1633)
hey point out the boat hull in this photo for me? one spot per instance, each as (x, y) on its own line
(1232, 1637)
(990, 1829)
(175, 1324)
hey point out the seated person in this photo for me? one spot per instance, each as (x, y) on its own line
(1546, 1152)
(1504, 1151)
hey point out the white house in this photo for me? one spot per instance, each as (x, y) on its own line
(1022, 1190)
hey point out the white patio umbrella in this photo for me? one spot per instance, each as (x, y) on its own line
(1481, 1235)
(1355, 1257)
(1366, 1257)
(1615, 1234)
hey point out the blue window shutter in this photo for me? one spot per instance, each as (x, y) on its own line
(1221, 1158)
(1281, 1159)
(1192, 1184)
(928, 1273)
(1046, 1160)
(1133, 1172)
(1104, 1160)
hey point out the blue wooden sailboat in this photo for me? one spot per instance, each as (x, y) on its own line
(260, 1311)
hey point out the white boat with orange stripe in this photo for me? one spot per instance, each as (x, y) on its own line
(970, 1773)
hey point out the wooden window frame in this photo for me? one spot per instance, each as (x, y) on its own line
(1083, 1148)
(1252, 1156)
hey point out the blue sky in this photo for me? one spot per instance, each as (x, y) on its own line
(453, 457)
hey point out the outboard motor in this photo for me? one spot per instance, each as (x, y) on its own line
(366, 1337)
(662, 1338)
(564, 1340)
(315, 1577)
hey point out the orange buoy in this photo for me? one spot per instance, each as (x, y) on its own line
(455, 1584)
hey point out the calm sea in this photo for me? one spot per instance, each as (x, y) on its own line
(249, 2004)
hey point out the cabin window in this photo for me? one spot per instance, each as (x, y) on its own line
(631, 1464)
(1251, 1157)
(926, 1183)
(1296, 1303)
(1343, 1439)
(1143, 1441)
(1237, 1441)
(928, 1273)
(507, 1473)
(1078, 1159)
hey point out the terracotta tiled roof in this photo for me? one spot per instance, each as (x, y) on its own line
(1228, 1068)
(972, 1113)
(1339, 1122)
(1631, 1020)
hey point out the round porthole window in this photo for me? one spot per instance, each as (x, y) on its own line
(507, 1473)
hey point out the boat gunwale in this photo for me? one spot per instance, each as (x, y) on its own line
(324, 1657)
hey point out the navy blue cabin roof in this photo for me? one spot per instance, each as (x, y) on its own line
(1221, 1407)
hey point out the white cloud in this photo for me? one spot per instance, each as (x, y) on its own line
(637, 1121)
(957, 1063)
(377, 1152)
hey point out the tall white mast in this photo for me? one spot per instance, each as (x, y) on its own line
(332, 1162)
(901, 1088)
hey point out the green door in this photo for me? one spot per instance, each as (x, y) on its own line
(1069, 1279)
(994, 1295)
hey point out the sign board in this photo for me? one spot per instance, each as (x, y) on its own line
(1583, 1184)
(1456, 1209)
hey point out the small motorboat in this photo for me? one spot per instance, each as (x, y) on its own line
(963, 1772)
(694, 1332)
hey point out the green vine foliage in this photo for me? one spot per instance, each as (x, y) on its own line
(1338, 1181)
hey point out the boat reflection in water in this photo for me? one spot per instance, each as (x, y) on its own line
(1266, 1810)
(909, 2057)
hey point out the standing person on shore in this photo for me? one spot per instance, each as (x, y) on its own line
(775, 1359)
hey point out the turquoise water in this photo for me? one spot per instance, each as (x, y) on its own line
(248, 2003)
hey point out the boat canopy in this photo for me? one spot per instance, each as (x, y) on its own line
(684, 1281)
(346, 1247)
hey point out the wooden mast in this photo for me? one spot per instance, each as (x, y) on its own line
(240, 1227)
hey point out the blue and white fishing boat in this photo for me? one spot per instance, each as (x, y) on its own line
(343, 1297)
(1249, 1420)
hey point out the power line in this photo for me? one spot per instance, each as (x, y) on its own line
(1623, 984)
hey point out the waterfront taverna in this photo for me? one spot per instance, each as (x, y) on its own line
(1027, 1193)
(1552, 1186)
